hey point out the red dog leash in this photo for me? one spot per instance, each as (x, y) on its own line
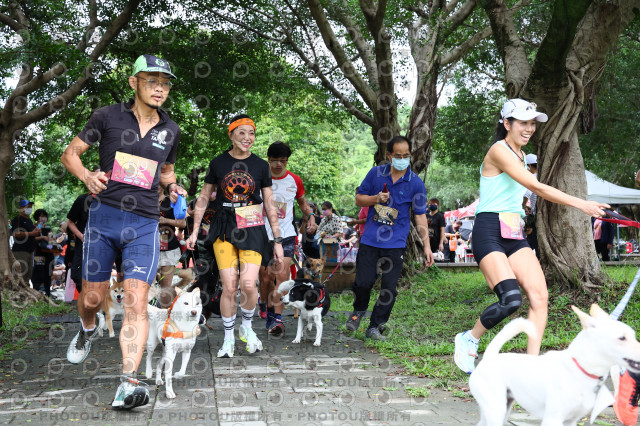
(619, 219)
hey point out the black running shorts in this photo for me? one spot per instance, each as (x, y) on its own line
(486, 238)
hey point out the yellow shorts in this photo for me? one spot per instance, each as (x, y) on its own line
(227, 256)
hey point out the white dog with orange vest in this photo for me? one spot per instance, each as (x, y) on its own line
(176, 328)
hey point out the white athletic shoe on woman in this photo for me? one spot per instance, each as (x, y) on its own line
(80, 345)
(248, 336)
(466, 351)
(226, 351)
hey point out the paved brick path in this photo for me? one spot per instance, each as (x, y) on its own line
(342, 383)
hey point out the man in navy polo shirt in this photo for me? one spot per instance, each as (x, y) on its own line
(137, 146)
(391, 191)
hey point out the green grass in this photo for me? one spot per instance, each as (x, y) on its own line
(419, 392)
(21, 322)
(439, 304)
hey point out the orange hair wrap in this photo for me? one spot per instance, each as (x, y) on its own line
(240, 122)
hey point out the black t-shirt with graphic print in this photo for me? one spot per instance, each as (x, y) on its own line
(132, 186)
(239, 181)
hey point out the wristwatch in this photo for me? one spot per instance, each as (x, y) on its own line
(278, 240)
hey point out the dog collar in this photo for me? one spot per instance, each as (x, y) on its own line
(593, 376)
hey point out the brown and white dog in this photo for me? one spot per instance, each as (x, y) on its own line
(113, 305)
(559, 387)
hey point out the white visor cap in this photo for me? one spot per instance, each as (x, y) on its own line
(522, 110)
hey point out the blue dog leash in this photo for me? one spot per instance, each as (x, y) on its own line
(625, 299)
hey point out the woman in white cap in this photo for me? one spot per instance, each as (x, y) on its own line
(499, 244)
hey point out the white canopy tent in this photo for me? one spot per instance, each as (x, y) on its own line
(602, 191)
(606, 192)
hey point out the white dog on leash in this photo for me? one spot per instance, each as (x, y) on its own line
(176, 328)
(559, 387)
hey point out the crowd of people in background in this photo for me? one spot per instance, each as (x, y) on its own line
(47, 253)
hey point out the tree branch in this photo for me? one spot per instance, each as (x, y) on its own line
(597, 34)
(514, 57)
(304, 29)
(460, 50)
(93, 24)
(454, 20)
(245, 26)
(72, 92)
(360, 115)
(451, 5)
(332, 43)
(11, 23)
(551, 58)
(363, 48)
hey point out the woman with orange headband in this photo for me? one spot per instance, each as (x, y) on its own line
(242, 182)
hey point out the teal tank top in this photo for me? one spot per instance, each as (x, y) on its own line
(500, 193)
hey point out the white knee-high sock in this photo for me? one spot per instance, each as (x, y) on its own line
(228, 324)
(247, 316)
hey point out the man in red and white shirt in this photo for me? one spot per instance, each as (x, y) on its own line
(287, 188)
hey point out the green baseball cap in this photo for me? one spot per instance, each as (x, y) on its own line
(150, 63)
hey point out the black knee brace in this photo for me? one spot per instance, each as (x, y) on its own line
(509, 300)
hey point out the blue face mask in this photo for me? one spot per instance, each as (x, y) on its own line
(400, 163)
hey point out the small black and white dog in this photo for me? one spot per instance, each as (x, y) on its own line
(312, 300)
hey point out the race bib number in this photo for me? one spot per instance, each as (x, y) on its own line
(133, 170)
(511, 226)
(281, 209)
(164, 241)
(249, 216)
(385, 215)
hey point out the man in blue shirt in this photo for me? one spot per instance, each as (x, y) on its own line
(391, 190)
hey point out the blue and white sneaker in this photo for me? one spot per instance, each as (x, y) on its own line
(130, 394)
(466, 351)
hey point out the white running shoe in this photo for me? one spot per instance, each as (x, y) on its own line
(248, 336)
(465, 352)
(226, 351)
(130, 394)
(80, 345)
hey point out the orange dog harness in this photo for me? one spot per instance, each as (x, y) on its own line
(178, 334)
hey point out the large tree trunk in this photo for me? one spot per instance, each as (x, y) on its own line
(560, 164)
(382, 132)
(6, 159)
(421, 125)
(9, 268)
(423, 120)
